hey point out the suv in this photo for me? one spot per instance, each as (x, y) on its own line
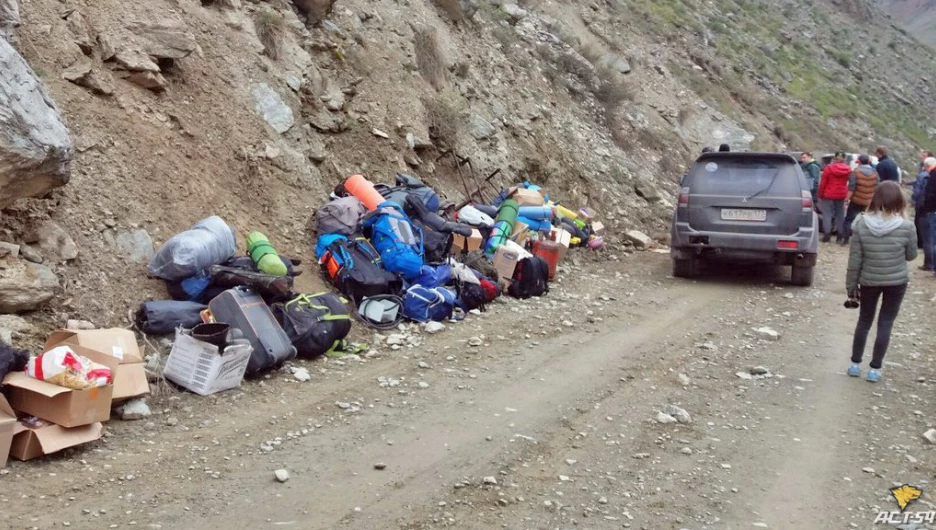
(745, 206)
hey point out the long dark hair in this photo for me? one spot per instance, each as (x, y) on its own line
(888, 198)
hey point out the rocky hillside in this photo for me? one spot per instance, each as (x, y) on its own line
(254, 110)
(918, 16)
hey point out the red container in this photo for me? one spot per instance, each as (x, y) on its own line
(549, 251)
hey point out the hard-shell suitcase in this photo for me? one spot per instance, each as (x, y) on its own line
(243, 309)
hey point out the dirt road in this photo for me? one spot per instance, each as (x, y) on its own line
(551, 424)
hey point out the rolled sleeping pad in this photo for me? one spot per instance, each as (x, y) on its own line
(562, 211)
(264, 255)
(508, 212)
(537, 225)
(499, 235)
(365, 192)
(579, 223)
(569, 225)
(536, 212)
(433, 220)
(487, 209)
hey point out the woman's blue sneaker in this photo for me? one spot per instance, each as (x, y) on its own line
(873, 376)
(854, 370)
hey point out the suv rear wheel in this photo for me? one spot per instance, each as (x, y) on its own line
(686, 268)
(803, 276)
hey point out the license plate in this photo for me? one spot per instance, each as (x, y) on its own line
(738, 214)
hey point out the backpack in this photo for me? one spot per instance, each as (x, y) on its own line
(354, 267)
(479, 262)
(491, 290)
(340, 216)
(471, 296)
(530, 278)
(398, 241)
(436, 245)
(315, 324)
(423, 304)
(407, 184)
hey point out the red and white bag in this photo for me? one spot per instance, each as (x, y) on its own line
(63, 367)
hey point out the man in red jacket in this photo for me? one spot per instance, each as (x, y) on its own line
(833, 189)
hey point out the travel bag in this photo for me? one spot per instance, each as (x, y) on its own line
(243, 309)
(315, 323)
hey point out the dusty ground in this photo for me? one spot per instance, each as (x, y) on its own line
(561, 417)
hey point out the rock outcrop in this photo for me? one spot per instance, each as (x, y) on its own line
(35, 146)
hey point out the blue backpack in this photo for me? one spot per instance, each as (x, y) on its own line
(399, 242)
(423, 304)
(435, 276)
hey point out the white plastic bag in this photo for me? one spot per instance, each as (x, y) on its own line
(63, 367)
(210, 242)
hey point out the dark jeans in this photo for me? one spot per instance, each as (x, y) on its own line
(918, 222)
(850, 215)
(893, 295)
(929, 239)
(832, 209)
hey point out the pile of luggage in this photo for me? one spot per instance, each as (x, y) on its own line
(394, 253)
(399, 252)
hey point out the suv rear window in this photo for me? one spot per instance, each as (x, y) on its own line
(744, 176)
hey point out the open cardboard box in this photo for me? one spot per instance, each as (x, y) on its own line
(463, 244)
(45, 438)
(527, 197)
(130, 378)
(7, 425)
(60, 405)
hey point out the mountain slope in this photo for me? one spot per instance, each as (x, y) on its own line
(603, 102)
(919, 16)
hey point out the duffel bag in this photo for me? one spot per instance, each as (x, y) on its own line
(315, 323)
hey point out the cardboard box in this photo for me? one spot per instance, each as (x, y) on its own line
(44, 438)
(60, 405)
(563, 237)
(7, 424)
(199, 367)
(505, 261)
(130, 378)
(598, 228)
(462, 244)
(520, 232)
(525, 197)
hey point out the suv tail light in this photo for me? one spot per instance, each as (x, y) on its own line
(807, 201)
(683, 197)
(788, 244)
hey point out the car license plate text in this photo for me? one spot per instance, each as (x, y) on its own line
(738, 214)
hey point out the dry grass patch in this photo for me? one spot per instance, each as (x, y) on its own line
(445, 114)
(429, 57)
(271, 30)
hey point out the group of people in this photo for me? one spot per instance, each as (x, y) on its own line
(868, 209)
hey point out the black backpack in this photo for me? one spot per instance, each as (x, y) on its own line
(436, 245)
(530, 278)
(470, 296)
(315, 324)
(357, 270)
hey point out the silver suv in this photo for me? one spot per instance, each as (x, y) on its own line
(745, 207)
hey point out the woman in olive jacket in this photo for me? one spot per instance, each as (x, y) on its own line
(882, 243)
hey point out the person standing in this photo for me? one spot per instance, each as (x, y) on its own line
(886, 167)
(812, 170)
(882, 244)
(919, 186)
(861, 184)
(833, 188)
(927, 210)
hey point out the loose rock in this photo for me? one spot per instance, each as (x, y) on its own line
(676, 412)
(136, 409)
(301, 374)
(930, 436)
(639, 239)
(281, 475)
(433, 327)
(26, 286)
(664, 418)
(767, 334)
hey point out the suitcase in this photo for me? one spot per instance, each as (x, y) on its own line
(243, 309)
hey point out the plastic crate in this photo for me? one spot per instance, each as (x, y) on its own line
(199, 367)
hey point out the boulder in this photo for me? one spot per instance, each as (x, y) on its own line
(35, 147)
(164, 40)
(25, 286)
(150, 80)
(135, 61)
(82, 73)
(9, 16)
(480, 128)
(615, 63)
(12, 324)
(80, 30)
(514, 12)
(314, 10)
(647, 191)
(53, 240)
(639, 239)
(136, 245)
(270, 105)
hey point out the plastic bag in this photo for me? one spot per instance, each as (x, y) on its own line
(162, 317)
(63, 367)
(210, 242)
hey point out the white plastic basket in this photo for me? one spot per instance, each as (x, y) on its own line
(197, 365)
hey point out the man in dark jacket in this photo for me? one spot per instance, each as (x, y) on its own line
(886, 168)
(927, 211)
(813, 171)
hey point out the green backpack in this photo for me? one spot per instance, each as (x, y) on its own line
(316, 324)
